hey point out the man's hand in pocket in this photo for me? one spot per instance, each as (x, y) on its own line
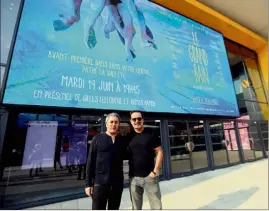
(152, 175)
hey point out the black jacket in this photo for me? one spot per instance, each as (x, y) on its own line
(105, 160)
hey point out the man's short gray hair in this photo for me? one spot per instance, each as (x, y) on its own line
(112, 114)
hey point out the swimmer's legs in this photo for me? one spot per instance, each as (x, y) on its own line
(89, 34)
(128, 30)
(141, 20)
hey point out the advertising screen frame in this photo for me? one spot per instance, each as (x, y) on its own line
(10, 56)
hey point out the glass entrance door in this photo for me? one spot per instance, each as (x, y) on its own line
(180, 156)
(187, 147)
(224, 143)
(264, 134)
(197, 137)
(250, 140)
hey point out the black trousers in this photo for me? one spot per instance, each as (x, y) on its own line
(107, 196)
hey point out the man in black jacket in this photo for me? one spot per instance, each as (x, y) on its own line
(104, 170)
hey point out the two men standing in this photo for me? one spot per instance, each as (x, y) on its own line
(104, 180)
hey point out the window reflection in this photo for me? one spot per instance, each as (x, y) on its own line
(253, 109)
(248, 83)
(39, 145)
(250, 140)
(47, 152)
(197, 136)
(225, 148)
(187, 146)
(180, 156)
(219, 147)
(255, 81)
(125, 127)
(264, 133)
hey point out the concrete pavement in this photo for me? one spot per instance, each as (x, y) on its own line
(244, 186)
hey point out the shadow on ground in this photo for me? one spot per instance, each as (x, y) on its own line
(231, 200)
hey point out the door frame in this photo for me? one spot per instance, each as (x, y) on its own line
(168, 151)
(227, 152)
(259, 137)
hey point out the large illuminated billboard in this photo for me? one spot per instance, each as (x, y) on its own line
(119, 55)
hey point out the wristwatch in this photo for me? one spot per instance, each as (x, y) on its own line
(154, 172)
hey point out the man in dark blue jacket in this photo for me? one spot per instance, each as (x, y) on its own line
(104, 170)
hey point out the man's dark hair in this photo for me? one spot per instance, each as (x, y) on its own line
(136, 112)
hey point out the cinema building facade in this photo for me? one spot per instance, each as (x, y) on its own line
(209, 107)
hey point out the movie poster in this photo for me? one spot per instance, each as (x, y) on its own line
(120, 54)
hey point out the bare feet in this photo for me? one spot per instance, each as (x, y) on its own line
(72, 20)
(90, 39)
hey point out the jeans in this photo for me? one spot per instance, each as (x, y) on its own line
(152, 189)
